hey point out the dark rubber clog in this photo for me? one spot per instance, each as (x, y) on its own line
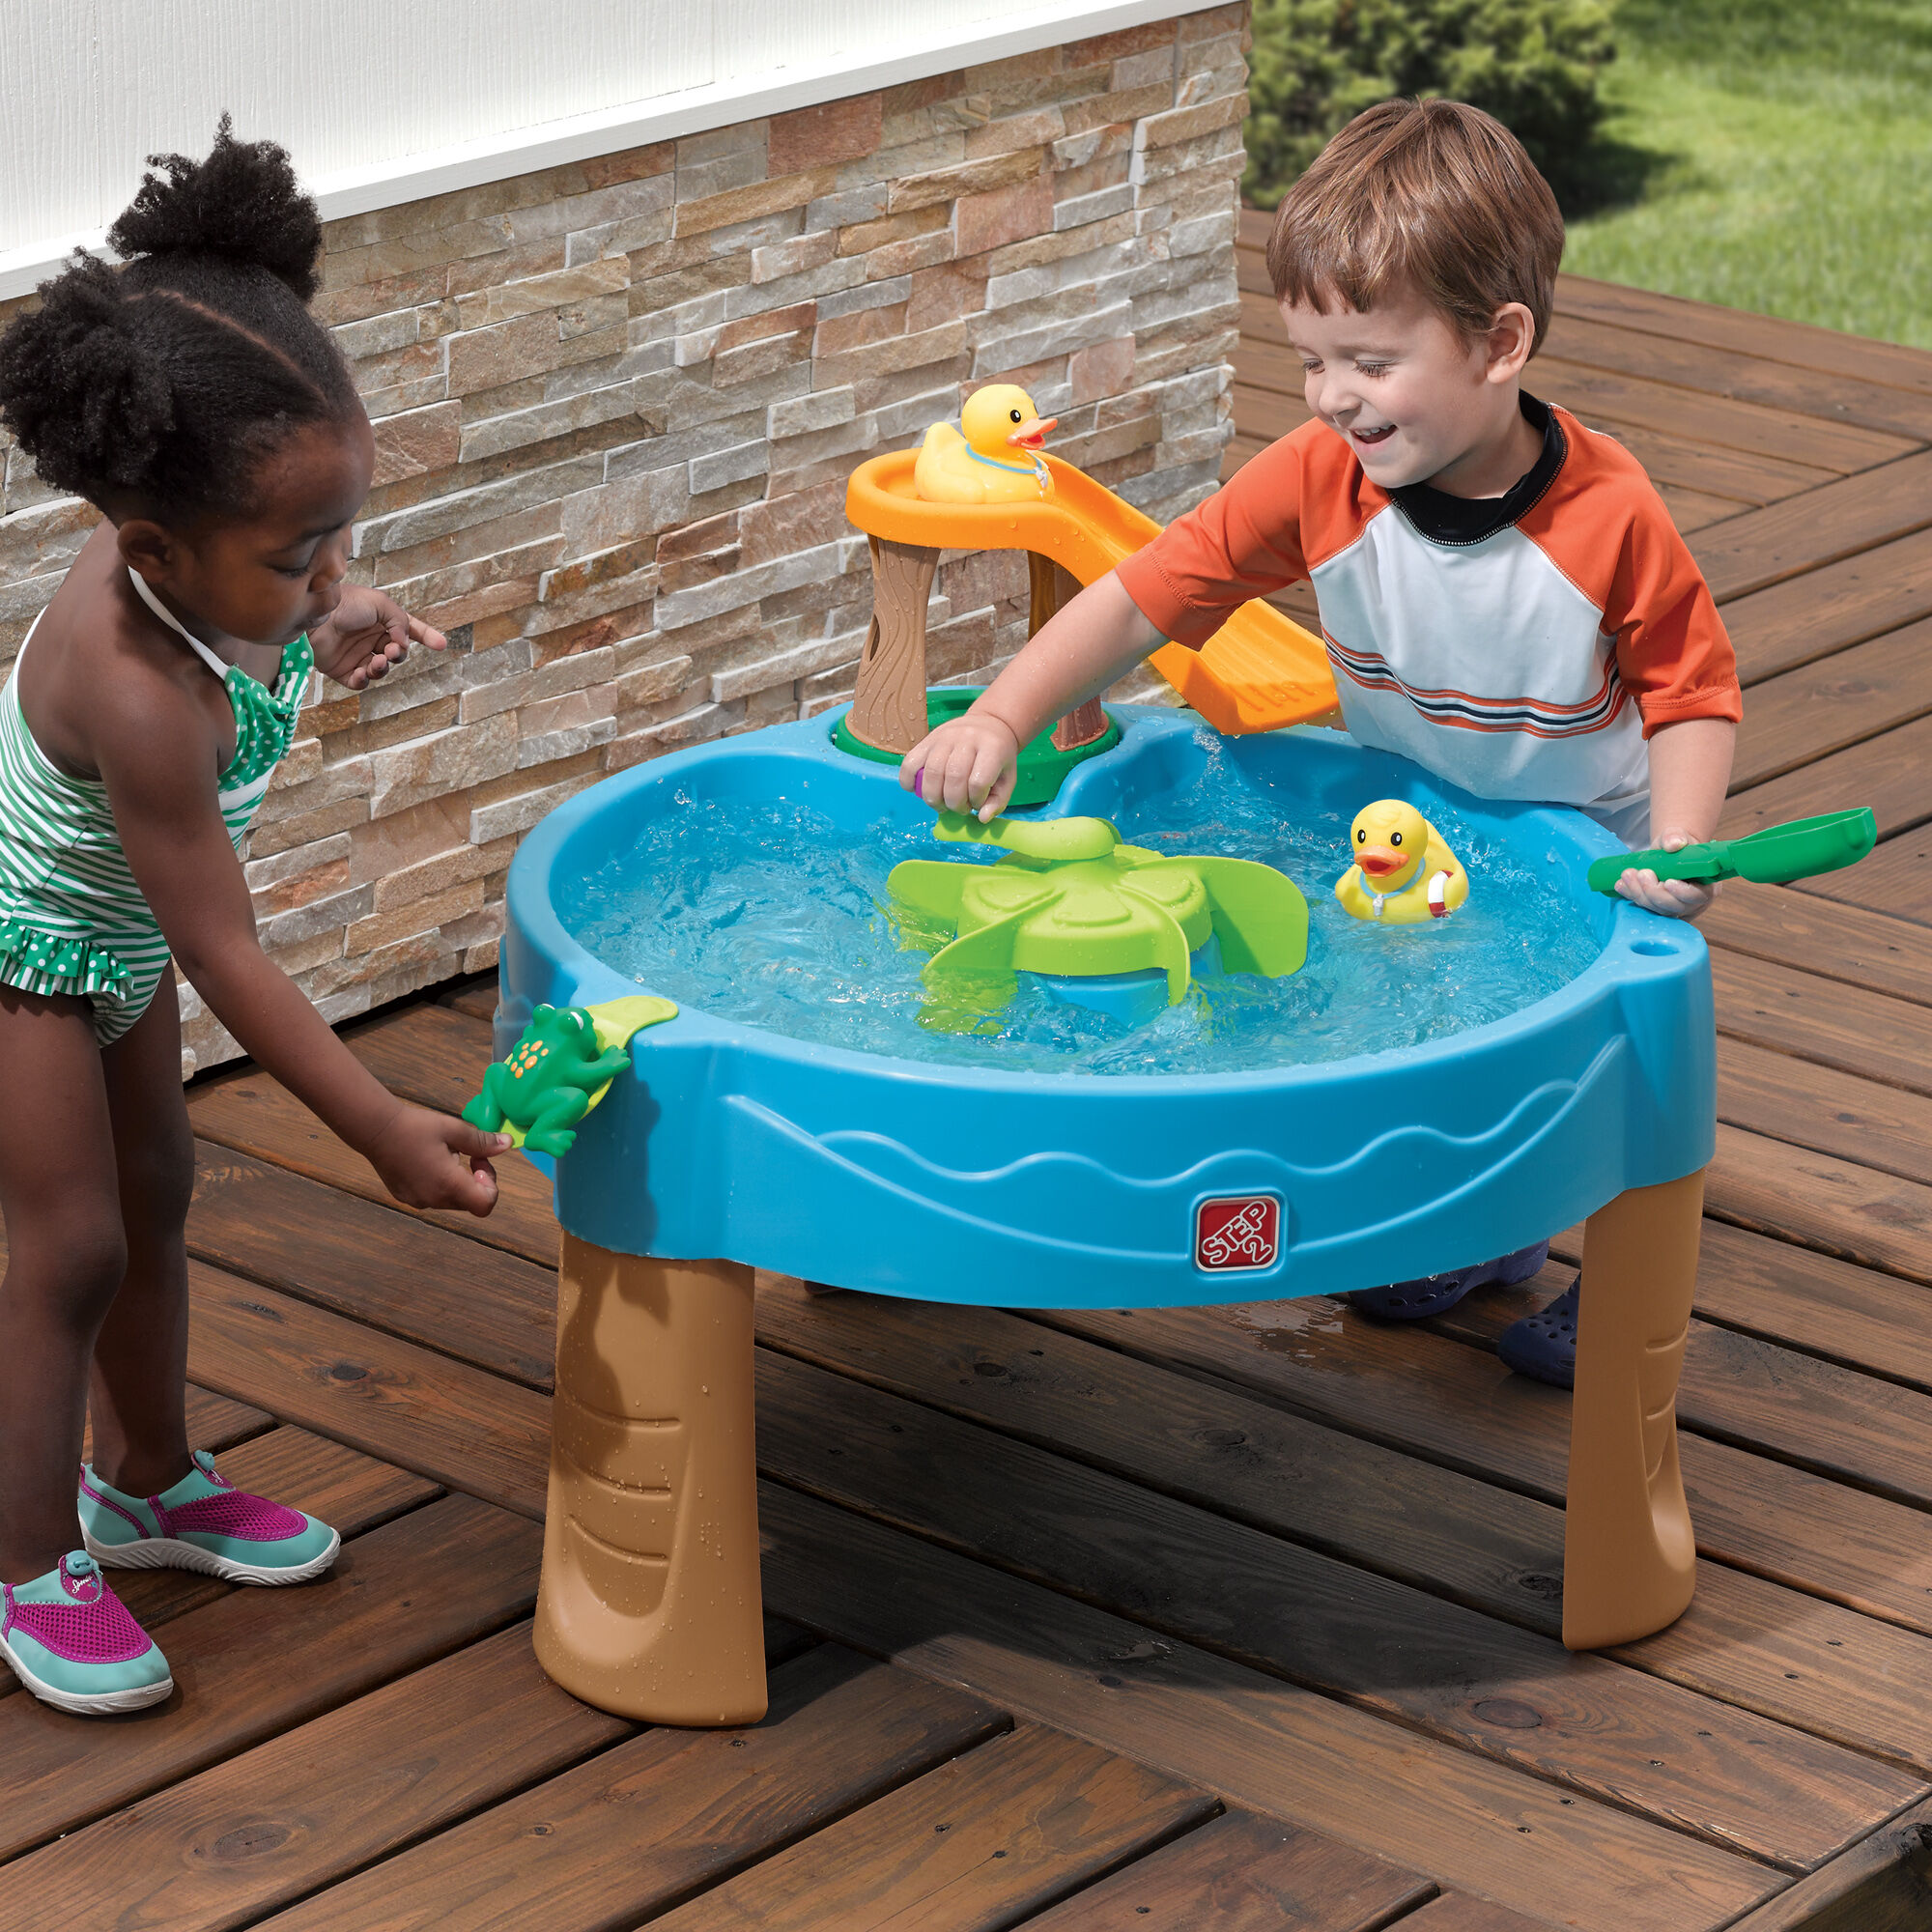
(1544, 1346)
(1412, 1300)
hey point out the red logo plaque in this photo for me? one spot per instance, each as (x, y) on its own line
(1237, 1234)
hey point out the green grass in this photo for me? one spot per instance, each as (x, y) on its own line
(1779, 153)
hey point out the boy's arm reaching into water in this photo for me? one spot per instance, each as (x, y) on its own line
(971, 763)
(157, 755)
(1689, 775)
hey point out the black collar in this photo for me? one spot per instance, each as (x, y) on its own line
(1462, 521)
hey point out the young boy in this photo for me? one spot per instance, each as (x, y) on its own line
(1503, 595)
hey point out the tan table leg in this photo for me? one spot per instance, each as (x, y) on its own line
(650, 1603)
(1628, 1556)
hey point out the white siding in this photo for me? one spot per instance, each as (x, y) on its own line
(384, 101)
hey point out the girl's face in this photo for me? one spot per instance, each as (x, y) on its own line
(1410, 396)
(276, 573)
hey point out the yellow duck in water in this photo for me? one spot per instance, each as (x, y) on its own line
(996, 461)
(1403, 873)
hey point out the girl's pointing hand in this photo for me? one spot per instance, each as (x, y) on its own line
(365, 633)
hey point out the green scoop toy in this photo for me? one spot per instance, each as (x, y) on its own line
(1773, 857)
(1070, 899)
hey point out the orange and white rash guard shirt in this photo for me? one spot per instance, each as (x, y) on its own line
(1522, 646)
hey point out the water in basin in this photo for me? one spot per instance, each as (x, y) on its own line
(775, 915)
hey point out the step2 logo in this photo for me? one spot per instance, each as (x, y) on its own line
(1237, 1234)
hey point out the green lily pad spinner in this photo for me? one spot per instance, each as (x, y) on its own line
(1070, 899)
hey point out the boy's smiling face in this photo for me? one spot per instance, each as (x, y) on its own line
(1414, 399)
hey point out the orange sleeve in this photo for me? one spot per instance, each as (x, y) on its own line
(1243, 542)
(1673, 652)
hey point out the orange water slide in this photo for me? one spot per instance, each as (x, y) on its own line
(1258, 672)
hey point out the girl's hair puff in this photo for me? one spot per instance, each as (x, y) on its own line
(156, 388)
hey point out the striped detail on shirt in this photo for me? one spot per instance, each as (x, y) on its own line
(1464, 711)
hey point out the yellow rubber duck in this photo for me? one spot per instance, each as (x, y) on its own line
(1403, 873)
(996, 461)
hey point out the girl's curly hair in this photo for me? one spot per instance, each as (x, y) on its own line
(158, 387)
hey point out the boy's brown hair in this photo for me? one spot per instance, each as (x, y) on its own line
(1431, 194)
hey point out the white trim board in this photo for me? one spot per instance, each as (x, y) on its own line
(662, 117)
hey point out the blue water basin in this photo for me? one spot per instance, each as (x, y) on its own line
(1005, 1169)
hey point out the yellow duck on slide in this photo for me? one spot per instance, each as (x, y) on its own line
(1403, 873)
(997, 458)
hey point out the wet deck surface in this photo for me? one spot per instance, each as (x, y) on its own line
(1214, 1618)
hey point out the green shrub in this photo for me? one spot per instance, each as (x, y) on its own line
(1315, 64)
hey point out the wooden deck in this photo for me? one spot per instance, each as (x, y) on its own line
(1210, 1619)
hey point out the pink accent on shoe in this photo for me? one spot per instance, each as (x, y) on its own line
(233, 1514)
(109, 1502)
(96, 1627)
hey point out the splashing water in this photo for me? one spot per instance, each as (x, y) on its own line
(778, 917)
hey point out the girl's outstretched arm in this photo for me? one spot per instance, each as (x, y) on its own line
(158, 755)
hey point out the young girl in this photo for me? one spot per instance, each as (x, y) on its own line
(193, 398)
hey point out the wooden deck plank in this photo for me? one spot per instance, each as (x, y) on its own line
(460, 1426)
(427, 1282)
(1880, 590)
(1804, 715)
(1756, 1393)
(1886, 773)
(665, 1812)
(213, 1421)
(1748, 1642)
(1828, 1204)
(1752, 482)
(1814, 1302)
(476, 997)
(1896, 880)
(433, 1055)
(231, 1844)
(1885, 500)
(259, 1661)
(1812, 1018)
(1436, 1400)
(1694, 509)
(1239, 1873)
(1884, 1128)
(1801, 344)
(1851, 943)
(252, 1114)
(1884, 1884)
(1452, 1673)
(969, 1847)
(350, 1491)
(1260, 1743)
(1268, 403)
(1840, 394)
(1590, 393)
(1456, 1912)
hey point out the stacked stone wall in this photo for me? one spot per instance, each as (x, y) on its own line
(615, 405)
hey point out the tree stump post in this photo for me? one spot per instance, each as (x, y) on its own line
(889, 707)
(1051, 587)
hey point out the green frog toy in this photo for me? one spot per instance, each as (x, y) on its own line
(559, 1069)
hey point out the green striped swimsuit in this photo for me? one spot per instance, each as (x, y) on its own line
(71, 919)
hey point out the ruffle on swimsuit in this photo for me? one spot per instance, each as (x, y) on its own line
(81, 966)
